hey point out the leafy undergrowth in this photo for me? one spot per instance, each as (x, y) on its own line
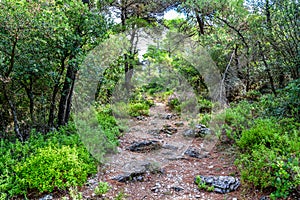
(267, 135)
(44, 163)
(56, 161)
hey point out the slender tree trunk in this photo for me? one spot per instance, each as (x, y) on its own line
(31, 101)
(66, 96)
(54, 94)
(14, 114)
(200, 22)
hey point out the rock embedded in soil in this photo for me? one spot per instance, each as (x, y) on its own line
(47, 197)
(169, 116)
(135, 171)
(198, 131)
(177, 188)
(168, 129)
(154, 132)
(193, 152)
(179, 124)
(222, 184)
(145, 146)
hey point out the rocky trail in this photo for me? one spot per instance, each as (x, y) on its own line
(159, 158)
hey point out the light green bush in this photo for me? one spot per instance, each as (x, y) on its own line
(138, 109)
(53, 168)
(102, 188)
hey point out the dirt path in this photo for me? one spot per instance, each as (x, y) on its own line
(175, 179)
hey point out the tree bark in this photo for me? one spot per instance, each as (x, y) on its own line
(14, 114)
(200, 22)
(66, 95)
(54, 94)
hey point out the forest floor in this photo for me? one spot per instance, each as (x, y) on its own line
(176, 171)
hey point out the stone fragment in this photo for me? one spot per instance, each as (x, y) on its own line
(47, 197)
(154, 132)
(179, 124)
(135, 171)
(145, 146)
(189, 133)
(177, 188)
(193, 152)
(198, 131)
(168, 129)
(222, 184)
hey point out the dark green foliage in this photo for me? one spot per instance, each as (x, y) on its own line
(266, 133)
(153, 87)
(174, 104)
(286, 104)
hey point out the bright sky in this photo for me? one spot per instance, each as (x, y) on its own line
(172, 14)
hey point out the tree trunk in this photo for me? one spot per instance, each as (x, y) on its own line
(66, 96)
(200, 22)
(54, 94)
(14, 114)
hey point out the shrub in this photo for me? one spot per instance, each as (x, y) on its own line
(236, 118)
(52, 167)
(14, 154)
(269, 155)
(153, 87)
(102, 188)
(286, 104)
(138, 109)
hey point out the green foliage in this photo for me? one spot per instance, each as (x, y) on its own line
(120, 196)
(74, 194)
(44, 162)
(236, 118)
(102, 188)
(138, 109)
(270, 155)
(52, 167)
(205, 106)
(202, 186)
(287, 104)
(174, 104)
(153, 87)
(109, 127)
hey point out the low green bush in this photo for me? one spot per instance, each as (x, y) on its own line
(235, 119)
(270, 155)
(53, 168)
(109, 127)
(102, 188)
(138, 109)
(174, 104)
(153, 87)
(19, 162)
